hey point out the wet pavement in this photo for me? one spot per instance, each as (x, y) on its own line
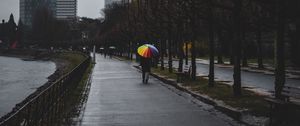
(119, 98)
(259, 81)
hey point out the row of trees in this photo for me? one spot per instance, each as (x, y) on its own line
(237, 29)
(48, 31)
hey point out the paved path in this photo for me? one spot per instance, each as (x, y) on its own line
(261, 81)
(118, 98)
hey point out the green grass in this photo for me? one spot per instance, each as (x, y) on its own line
(164, 72)
(67, 61)
(71, 59)
(251, 101)
(75, 99)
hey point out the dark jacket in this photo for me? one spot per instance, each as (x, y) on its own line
(146, 64)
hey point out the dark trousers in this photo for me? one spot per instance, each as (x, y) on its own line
(144, 75)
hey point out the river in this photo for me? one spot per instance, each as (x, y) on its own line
(18, 79)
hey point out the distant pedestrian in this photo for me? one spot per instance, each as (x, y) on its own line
(110, 53)
(146, 68)
(105, 53)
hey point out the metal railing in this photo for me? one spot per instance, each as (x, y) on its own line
(45, 107)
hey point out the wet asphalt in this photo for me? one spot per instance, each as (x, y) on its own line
(119, 98)
(257, 80)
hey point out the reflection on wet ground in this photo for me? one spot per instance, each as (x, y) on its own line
(118, 97)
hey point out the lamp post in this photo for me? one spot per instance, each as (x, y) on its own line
(84, 36)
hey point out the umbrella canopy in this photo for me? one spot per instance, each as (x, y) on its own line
(147, 51)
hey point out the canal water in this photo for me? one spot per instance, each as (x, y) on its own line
(18, 79)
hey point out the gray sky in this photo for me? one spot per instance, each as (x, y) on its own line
(7, 7)
(90, 8)
(86, 8)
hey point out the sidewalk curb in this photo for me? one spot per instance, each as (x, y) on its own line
(231, 112)
(236, 114)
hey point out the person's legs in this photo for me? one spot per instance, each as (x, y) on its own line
(146, 77)
(143, 75)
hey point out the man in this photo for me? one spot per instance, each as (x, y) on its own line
(146, 68)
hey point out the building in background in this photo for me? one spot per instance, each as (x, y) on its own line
(60, 9)
(28, 9)
(66, 9)
(109, 2)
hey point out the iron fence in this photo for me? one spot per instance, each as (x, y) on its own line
(45, 107)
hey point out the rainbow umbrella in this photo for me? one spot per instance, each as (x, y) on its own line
(147, 51)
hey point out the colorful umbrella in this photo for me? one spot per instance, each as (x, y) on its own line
(147, 51)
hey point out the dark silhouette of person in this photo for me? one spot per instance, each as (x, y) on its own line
(146, 68)
(110, 53)
(105, 53)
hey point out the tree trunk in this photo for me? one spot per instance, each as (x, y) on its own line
(186, 54)
(220, 47)
(245, 45)
(194, 38)
(169, 41)
(237, 49)
(279, 49)
(231, 36)
(220, 59)
(297, 34)
(181, 54)
(259, 49)
(170, 62)
(298, 31)
(129, 50)
(193, 60)
(211, 47)
(136, 54)
(244, 57)
(162, 64)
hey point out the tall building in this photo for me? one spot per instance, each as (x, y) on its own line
(109, 2)
(28, 9)
(66, 9)
(61, 9)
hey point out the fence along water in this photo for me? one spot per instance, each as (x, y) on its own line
(46, 106)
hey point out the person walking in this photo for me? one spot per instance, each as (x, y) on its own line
(146, 69)
(146, 52)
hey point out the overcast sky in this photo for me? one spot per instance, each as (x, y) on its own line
(86, 8)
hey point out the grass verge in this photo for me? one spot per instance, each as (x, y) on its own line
(76, 99)
(250, 101)
(164, 72)
(67, 61)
